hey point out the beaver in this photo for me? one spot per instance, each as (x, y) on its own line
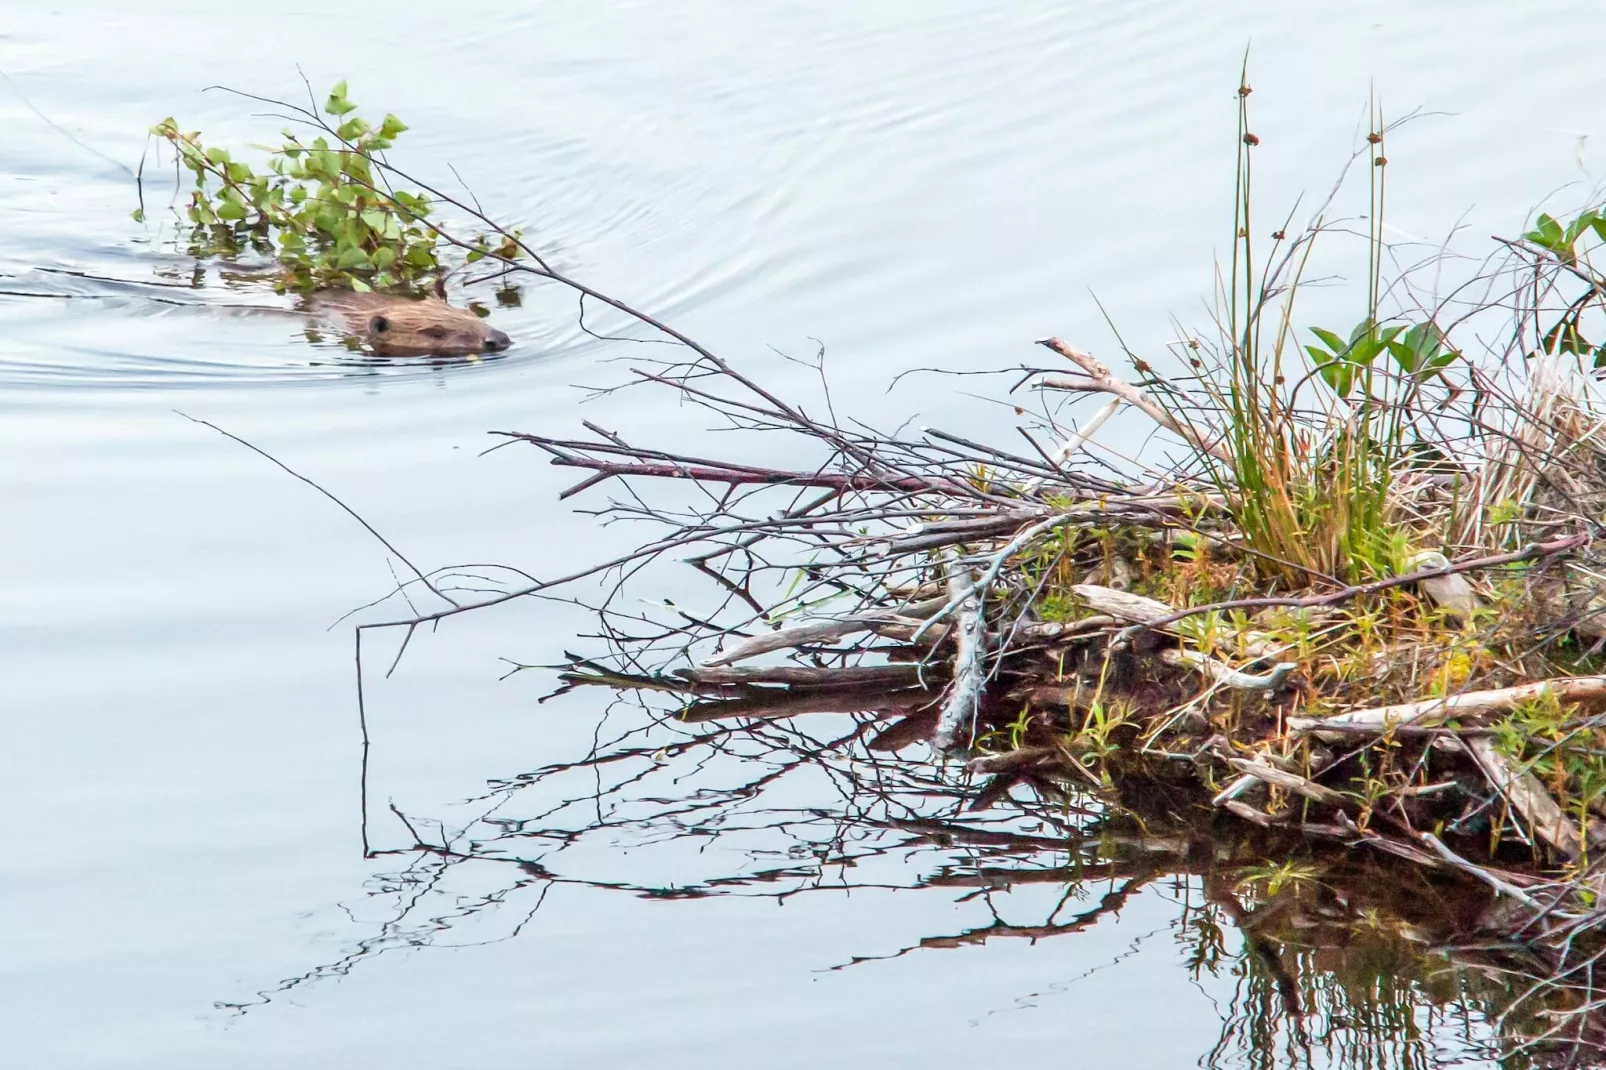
(390, 325)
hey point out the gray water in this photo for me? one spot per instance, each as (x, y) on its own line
(913, 184)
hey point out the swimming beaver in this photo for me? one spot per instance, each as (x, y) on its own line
(389, 325)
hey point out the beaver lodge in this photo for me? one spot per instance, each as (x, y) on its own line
(1372, 626)
(1347, 598)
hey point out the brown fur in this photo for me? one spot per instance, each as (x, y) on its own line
(389, 325)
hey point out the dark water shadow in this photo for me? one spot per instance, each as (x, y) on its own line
(1333, 956)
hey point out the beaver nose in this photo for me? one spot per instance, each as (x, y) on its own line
(495, 340)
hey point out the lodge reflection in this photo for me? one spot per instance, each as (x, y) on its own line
(1332, 957)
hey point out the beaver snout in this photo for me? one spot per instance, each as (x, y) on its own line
(393, 325)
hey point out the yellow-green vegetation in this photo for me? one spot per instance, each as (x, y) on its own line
(1337, 468)
(326, 206)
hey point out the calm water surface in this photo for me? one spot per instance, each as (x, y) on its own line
(912, 183)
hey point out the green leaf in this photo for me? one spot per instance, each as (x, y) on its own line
(1332, 371)
(1364, 351)
(1584, 221)
(1338, 375)
(391, 127)
(352, 256)
(1406, 357)
(337, 104)
(1335, 344)
(231, 211)
(1547, 233)
(360, 286)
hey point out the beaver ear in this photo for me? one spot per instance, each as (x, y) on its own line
(378, 325)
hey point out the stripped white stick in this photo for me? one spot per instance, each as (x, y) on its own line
(1075, 442)
(1141, 609)
(1527, 796)
(817, 631)
(1224, 675)
(958, 597)
(1100, 379)
(964, 694)
(1435, 711)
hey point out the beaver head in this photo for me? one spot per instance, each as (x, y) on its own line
(390, 325)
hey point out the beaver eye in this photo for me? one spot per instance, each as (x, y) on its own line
(379, 325)
(436, 333)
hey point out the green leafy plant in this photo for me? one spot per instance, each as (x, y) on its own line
(1419, 350)
(323, 207)
(1560, 238)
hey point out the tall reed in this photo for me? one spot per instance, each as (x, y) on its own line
(1308, 482)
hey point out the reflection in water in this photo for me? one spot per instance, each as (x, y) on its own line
(1330, 957)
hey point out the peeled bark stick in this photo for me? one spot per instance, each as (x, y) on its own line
(1270, 774)
(1075, 442)
(817, 631)
(1100, 379)
(1049, 631)
(1435, 711)
(1235, 789)
(964, 694)
(1249, 813)
(1003, 763)
(1457, 862)
(1224, 675)
(1527, 796)
(1124, 605)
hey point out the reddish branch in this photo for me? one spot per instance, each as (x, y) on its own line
(744, 475)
